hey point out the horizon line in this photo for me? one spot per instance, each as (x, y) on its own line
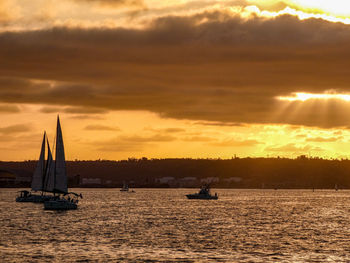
(190, 158)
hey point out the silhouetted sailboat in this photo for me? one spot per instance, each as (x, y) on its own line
(56, 178)
(38, 178)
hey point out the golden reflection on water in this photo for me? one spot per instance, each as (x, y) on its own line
(161, 225)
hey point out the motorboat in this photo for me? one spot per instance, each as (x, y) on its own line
(204, 193)
(126, 188)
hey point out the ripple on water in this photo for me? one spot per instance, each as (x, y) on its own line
(161, 225)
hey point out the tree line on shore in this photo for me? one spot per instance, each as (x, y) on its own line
(302, 172)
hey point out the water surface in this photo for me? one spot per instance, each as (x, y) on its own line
(161, 225)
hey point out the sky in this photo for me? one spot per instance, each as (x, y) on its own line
(175, 79)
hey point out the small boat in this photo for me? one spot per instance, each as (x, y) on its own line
(38, 179)
(125, 187)
(56, 179)
(204, 193)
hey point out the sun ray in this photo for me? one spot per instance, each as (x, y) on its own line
(303, 96)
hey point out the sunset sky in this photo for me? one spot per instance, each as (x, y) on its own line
(163, 79)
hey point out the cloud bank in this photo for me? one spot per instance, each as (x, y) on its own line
(209, 66)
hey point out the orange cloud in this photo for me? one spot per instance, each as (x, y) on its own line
(210, 67)
(116, 3)
(322, 139)
(291, 147)
(96, 127)
(14, 129)
(8, 108)
(237, 143)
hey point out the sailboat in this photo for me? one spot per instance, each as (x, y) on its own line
(56, 178)
(38, 178)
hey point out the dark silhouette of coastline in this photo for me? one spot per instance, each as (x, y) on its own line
(269, 173)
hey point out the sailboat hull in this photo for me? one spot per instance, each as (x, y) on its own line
(60, 205)
(34, 198)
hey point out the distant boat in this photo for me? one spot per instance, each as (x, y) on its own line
(56, 178)
(204, 193)
(126, 188)
(38, 178)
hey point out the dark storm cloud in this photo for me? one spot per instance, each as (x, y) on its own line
(226, 70)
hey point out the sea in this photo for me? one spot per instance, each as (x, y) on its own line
(162, 225)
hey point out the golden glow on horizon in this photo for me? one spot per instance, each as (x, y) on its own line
(301, 96)
(120, 135)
